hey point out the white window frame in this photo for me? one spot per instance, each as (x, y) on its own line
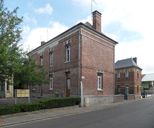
(51, 83)
(41, 61)
(127, 74)
(118, 75)
(100, 82)
(68, 82)
(67, 51)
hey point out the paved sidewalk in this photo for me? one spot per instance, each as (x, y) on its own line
(8, 120)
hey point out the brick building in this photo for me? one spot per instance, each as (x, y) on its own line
(82, 51)
(128, 75)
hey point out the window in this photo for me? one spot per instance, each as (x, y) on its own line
(68, 82)
(99, 81)
(126, 74)
(138, 76)
(51, 58)
(51, 83)
(41, 60)
(67, 51)
(118, 75)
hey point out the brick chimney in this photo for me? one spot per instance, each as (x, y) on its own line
(135, 59)
(97, 21)
(43, 42)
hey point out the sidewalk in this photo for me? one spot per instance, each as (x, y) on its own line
(19, 118)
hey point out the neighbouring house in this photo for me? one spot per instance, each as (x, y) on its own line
(128, 77)
(148, 83)
(6, 87)
(81, 54)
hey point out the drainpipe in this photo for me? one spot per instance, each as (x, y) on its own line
(79, 61)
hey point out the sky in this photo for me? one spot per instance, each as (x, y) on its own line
(129, 22)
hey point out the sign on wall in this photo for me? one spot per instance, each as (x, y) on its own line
(23, 93)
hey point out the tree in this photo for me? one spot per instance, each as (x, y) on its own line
(30, 75)
(13, 61)
(10, 53)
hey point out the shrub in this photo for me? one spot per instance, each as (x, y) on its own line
(41, 104)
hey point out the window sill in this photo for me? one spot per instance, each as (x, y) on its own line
(51, 65)
(50, 89)
(66, 61)
(99, 89)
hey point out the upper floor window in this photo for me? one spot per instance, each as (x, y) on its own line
(126, 74)
(51, 58)
(138, 76)
(41, 60)
(99, 81)
(118, 75)
(67, 51)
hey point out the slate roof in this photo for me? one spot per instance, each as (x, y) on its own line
(126, 63)
(148, 77)
(77, 26)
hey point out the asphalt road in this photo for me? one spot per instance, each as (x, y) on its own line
(138, 114)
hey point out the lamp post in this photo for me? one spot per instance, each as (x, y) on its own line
(82, 95)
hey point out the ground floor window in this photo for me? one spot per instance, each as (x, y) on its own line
(50, 81)
(99, 81)
(68, 83)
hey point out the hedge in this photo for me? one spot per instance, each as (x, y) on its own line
(41, 104)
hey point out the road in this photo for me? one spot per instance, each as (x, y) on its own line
(138, 114)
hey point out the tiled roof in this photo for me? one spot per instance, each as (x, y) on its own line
(148, 77)
(125, 63)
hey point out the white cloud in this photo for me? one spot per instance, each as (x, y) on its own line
(37, 35)
(134, 16)
(29, 20)
(87, 19)
(45, 10)
(82, 2)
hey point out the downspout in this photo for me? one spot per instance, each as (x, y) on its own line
(79, 62)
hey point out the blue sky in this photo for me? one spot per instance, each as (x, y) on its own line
(130, 22)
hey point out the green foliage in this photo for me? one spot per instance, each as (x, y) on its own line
(42, 104)
(13, 61)
(10, 31)
(29, 74)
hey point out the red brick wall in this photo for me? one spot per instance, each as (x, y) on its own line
(60, 67)
(133, 81)
(97, 55)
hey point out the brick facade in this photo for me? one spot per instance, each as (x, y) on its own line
(91, 54)
(129, 76)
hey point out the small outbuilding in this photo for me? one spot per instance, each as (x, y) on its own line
(128, 77)
(148, 83)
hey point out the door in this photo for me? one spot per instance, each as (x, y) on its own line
(68, 84)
